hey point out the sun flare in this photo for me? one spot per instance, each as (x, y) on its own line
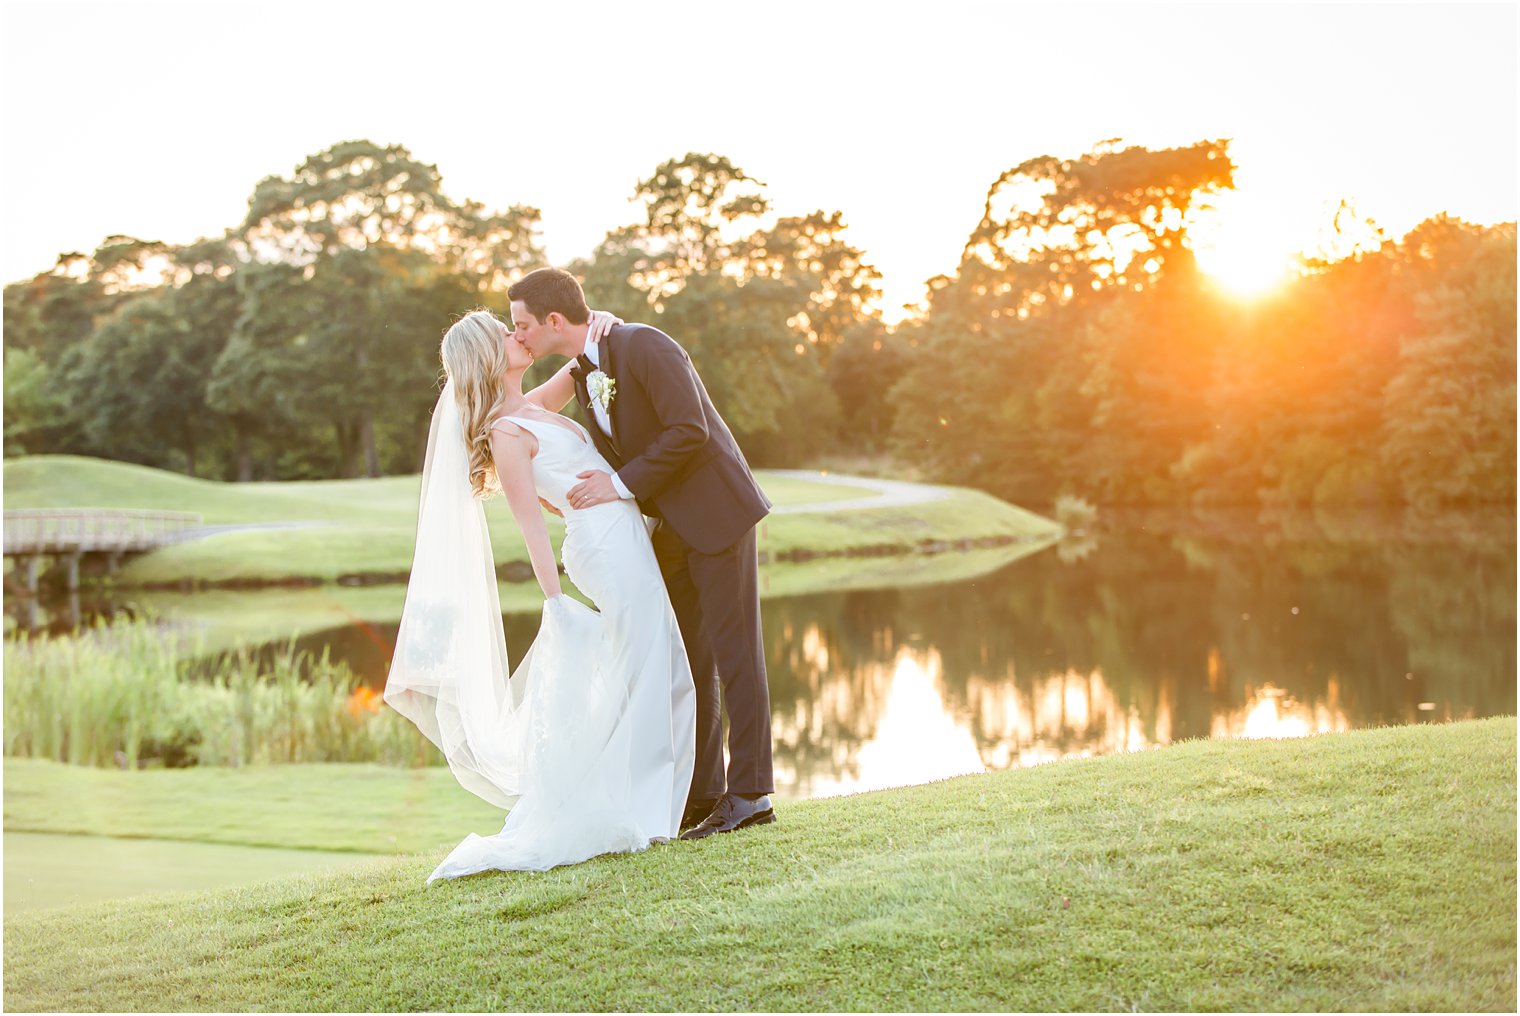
(1244, 243)
(1245, 268)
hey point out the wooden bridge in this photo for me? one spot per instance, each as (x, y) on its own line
(69, 536)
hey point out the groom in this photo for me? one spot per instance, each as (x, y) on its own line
(674, 455)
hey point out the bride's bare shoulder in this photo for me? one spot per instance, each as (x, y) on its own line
(509, 427)
(514, 434)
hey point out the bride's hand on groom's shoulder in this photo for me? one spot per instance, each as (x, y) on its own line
(599, 324)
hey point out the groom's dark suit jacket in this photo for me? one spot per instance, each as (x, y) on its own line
(669, 445)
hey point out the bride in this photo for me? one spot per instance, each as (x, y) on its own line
(590, 742)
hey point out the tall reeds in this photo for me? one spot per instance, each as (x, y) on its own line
(131, 693)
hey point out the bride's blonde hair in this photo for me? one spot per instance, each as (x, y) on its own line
(475, 358)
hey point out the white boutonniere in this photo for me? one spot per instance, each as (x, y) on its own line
(601, 388)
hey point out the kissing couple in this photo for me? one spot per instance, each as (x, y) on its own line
(608, 735)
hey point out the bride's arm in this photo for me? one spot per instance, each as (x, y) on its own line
(555, 394)
(512, 452)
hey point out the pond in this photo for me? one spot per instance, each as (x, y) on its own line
(1158, 628)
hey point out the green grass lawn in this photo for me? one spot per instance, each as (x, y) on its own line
(965, 515)
(337, 806)
(895, 571)
(1373, 870)
(73, 481)
(47, 870)
(369, 526)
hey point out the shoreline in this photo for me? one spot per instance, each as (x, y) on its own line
(356, 533)
(519, 571)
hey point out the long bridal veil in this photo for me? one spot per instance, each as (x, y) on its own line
(449, 674)
(589, 743)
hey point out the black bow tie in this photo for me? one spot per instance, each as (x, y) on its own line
(583, 366)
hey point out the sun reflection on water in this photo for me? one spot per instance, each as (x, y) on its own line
(1272, 712)
(913, 729)
(917, 739)
(1068, 715)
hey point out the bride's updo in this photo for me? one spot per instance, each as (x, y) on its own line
(475, 359)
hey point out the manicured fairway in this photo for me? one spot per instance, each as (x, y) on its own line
(45, 870)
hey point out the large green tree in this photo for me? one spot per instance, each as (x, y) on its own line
(1449, 409)
(759, 304)
(1294, 400)
(35, 410)
(108, 338)
(1069, 350)
(698, 211)
(868, 360)
(841, 288)
(367, 230)
(1054, 230)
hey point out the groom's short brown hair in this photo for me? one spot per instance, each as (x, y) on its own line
(547, 290)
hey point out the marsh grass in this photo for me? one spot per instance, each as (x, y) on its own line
(129, 694)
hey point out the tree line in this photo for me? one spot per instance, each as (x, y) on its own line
(1077, 348)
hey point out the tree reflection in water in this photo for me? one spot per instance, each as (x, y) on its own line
(1220, 628)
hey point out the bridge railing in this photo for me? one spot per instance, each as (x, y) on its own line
(67, 530)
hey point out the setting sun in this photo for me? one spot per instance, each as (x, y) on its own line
(1246, 243)
(1243, 267)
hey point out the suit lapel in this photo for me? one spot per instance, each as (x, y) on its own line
(609, 367)
(583, 397)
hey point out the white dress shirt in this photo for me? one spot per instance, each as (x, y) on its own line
(603, 421)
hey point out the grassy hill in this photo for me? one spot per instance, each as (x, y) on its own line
(1373, 870)
(73, 481)
(367, 527)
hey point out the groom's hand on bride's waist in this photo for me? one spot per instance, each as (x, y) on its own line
(595, 488)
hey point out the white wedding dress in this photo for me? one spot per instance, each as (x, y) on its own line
(591, 741)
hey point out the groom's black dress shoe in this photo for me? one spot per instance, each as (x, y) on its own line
(697, 809)
(734, 812)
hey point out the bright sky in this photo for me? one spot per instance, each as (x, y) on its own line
(157, 119)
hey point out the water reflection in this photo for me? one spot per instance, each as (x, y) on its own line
(913, 737)
(58, 614)
(1158, 630)
(1150, 637)
(1272, 712)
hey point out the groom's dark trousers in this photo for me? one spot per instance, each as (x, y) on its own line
(678, 458)
(717, 605)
